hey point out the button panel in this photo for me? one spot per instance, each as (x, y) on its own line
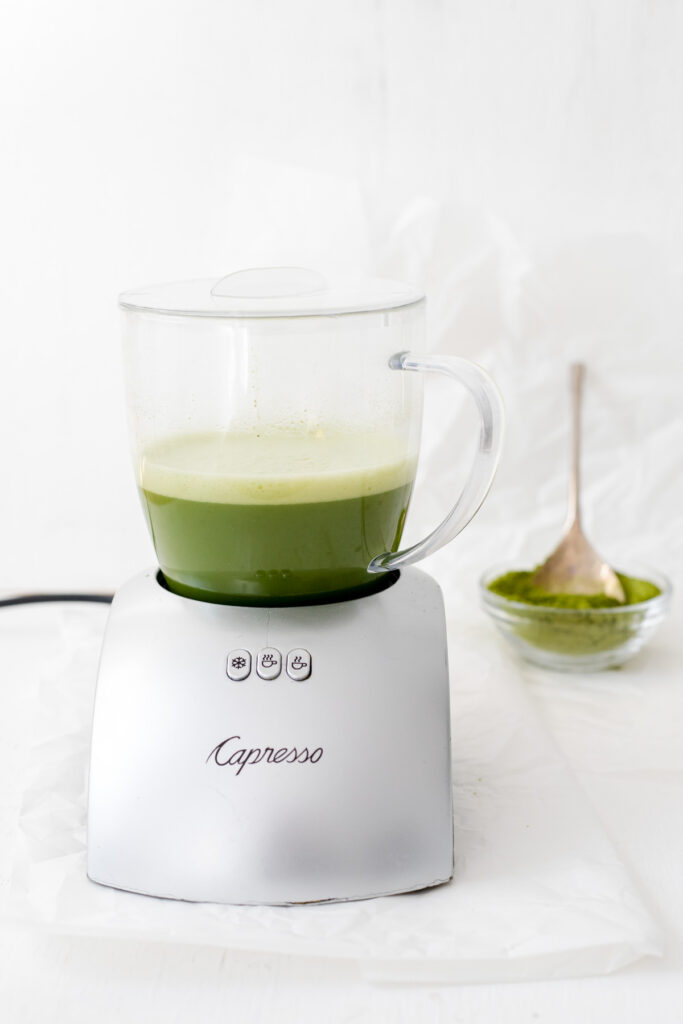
(238, 665)
(298, 664)
(269, 663)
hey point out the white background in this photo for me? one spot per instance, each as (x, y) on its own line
(521, 161)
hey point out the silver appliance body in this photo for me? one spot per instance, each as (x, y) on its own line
(272, 755)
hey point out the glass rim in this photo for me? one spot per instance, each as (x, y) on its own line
(195, 299)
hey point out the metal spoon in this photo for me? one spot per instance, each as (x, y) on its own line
(575, 567)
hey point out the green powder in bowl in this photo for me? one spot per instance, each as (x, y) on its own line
(575, 632)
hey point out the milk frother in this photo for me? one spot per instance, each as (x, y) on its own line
(272, 710)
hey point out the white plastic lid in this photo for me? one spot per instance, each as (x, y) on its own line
(271, 292)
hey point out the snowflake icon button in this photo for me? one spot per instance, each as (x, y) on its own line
(298, 664)
(239, 665)
(269, 663)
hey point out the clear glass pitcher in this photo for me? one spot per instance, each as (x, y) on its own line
(275, 421)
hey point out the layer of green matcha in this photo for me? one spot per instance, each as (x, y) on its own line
(518, 586)
(251, 519)
(262, 553)
(584, 627)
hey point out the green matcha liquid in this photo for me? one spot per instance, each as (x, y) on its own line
(259, 519)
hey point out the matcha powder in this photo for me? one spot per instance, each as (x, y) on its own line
(517, 586)
(585, 627)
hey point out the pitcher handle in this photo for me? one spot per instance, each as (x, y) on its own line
(490, 406)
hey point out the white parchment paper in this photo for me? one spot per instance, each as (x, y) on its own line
(538, 890)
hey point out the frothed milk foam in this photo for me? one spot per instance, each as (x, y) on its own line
(259, 518)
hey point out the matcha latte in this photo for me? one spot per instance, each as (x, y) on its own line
(274, 519)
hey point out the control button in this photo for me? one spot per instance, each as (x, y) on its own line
(269, 663)
(239, 665)
(298, 664)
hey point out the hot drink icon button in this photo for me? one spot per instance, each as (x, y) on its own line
(269, 663)
(239, 665)
(298, 664)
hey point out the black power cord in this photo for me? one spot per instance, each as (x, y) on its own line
(44, 598)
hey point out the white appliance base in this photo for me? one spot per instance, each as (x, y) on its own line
(329, 781)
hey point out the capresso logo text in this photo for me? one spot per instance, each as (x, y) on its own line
(227, 753)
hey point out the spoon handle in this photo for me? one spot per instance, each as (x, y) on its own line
(576, 376)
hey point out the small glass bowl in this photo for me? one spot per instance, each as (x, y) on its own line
(577, 640)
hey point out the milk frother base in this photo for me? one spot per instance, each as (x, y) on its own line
(272, 755)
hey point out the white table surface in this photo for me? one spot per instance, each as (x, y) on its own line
(633, 779)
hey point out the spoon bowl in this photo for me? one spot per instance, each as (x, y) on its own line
(575, 567)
